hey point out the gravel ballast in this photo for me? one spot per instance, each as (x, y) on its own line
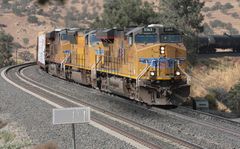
(35, 117)
(204, 136)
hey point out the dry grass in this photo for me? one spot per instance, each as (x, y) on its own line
(215, 79)
(49, 145)
(219, 78)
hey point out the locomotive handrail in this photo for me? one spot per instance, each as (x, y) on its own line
(188, 76)
(143, 72)
(63, 62)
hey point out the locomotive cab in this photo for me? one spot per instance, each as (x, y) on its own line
(161, 62)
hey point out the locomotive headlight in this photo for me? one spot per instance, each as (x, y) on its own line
(152, 73)
(178, 73)
(162, 50)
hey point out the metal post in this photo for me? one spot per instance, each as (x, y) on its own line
(16, 56)
(73, 135)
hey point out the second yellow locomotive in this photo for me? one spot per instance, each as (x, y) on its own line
(146, 63)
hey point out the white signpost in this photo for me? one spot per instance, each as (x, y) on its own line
(71, 116)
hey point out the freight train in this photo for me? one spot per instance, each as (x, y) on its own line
(146, 64)
(209, 44)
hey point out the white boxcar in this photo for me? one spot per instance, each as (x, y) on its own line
(41, 48)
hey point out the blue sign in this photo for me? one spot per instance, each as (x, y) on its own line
(100, 52)
(67, 51)
(161, 62)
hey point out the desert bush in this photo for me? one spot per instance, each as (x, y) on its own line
(6, 45)
(32, 19)
(208, 15)
(17, 11)
(219, 6)
(233, 99)
(74, 1)
(206, 9)
(5, 4)
(216, 6)
(211, 100)
(217, 23)
(227, 6)
(224, 11)
(7, 136)
(227, 26)
(235, 15)
(233, 31)
(7, 139)
(207, 29)
(26, 41)
(26, 55)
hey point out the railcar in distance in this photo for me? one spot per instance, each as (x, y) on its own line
(209, 44)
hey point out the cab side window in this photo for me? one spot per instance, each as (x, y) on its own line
(86, 40)
(130, 39)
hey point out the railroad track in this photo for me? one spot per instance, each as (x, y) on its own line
(203, 121)
(58, 99)
(209, 115)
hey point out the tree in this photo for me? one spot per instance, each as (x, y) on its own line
(123, 13)
(6, 43)
(186, 16)
(183, 14)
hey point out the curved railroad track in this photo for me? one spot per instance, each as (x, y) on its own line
(58, 99)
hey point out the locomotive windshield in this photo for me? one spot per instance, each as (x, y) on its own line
(170, 38)
(146, 38)
(93, 39)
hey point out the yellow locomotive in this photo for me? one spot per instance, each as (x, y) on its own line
(146, 63)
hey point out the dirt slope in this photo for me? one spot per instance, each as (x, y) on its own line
(75, 11)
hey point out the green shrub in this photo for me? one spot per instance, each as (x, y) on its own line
(208, 15)
(219, 6)
(17, 11)
(74, 1)
(211, 100)
(217, 23)
(235, 15)
(26, 56)
(227, 6)
(7, 136)
(26, 41)
(207, 29)
(233, 99)
(216, 6)
(32, 19)
(5, 4)
(6, 45)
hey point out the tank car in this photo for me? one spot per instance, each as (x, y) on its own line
(146, 64)
(209, 44)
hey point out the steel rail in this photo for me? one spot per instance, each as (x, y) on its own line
(67, 104)
(133, 123)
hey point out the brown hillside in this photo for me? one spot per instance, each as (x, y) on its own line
(79, 13)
